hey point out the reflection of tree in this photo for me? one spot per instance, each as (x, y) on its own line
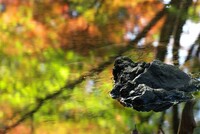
(187, 123)
(172, 29)
(180, 21)
(195, 49)
(70, 85)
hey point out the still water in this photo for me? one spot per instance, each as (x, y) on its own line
(57, 75)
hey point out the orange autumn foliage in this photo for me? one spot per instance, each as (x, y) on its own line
(76, 32)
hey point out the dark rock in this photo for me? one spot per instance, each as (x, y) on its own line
(151, 86)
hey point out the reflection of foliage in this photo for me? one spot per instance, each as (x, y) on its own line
(43, 47)
(53, 95)
(39, 24)
(80, 105)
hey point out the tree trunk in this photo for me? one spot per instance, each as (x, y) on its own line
(172, 28)
(175, 119)
(180, 20)
(167, 30)
(187, 123)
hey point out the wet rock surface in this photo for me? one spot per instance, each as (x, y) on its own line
(151, 86)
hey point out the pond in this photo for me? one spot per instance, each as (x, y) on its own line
(57, 59)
